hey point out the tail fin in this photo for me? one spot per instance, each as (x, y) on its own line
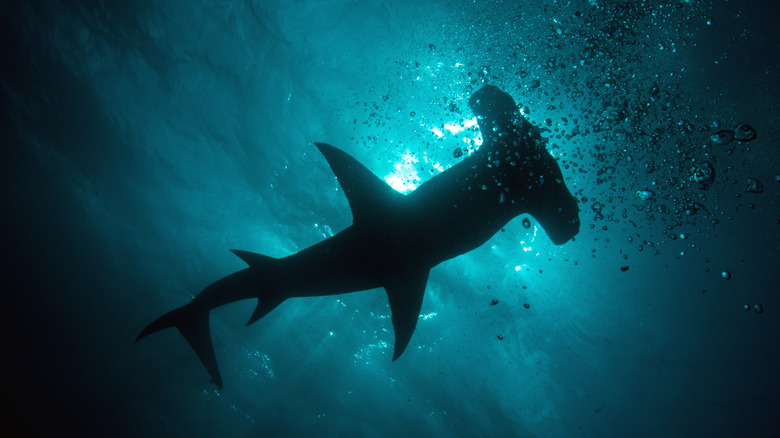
(194, 326)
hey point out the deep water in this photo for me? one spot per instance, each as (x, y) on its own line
(141, 140)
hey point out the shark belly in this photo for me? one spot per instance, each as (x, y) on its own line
(351, 261)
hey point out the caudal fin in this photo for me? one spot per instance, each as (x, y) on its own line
(193, 324)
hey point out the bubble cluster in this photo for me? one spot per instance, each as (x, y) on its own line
(642, 155)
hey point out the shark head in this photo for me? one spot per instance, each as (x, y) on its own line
(496, 111)
(525, 165)
(560, 219)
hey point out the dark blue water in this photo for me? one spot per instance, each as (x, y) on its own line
(143, 140)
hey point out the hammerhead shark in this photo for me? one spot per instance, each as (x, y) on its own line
(396, 239)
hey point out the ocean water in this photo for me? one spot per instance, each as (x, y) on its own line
(142, 140)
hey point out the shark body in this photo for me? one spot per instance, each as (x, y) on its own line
(396, 239)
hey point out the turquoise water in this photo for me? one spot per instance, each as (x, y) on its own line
(141, 142)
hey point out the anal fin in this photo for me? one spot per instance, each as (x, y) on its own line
(405, 292)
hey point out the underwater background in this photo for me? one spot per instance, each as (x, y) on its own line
(142, 140)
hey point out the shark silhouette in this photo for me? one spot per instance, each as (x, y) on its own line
(396, 239)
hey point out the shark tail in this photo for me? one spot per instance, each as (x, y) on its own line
(193, 323)
(192, 319)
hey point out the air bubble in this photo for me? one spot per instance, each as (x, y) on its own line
(704, 174)
(645, 194)
(754, 186)
(722, 137)
(744, 132)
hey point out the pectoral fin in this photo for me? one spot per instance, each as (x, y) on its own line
(405, 292)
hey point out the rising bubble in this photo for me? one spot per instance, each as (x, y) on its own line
(744, 132)
(722, 137)
(754, 186)
(645, 194)
(704, 174)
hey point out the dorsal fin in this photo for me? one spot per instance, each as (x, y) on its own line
(368, 196)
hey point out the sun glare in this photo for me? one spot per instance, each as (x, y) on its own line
(405, 177)
(455, 128)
